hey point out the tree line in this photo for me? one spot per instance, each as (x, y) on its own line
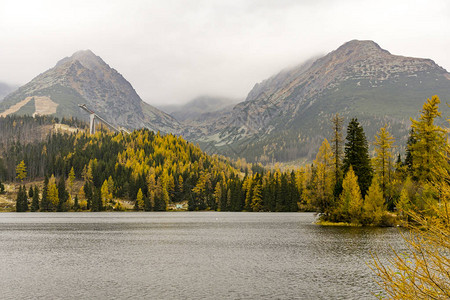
(152, 171)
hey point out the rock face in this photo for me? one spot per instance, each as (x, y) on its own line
(86, 78)
(287, 116)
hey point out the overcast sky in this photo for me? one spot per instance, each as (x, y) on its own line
(172, 51)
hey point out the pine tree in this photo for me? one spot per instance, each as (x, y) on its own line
(30, 192)
(357, 155)
(35, 201)
(336, 147)
(63, 195)
(45, 202)
(22, 200)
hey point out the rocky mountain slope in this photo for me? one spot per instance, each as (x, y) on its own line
(286, 117)
(86, 78)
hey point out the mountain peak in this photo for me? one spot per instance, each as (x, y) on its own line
(86, 57)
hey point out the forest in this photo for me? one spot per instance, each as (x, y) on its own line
(344, 184)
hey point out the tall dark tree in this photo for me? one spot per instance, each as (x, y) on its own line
(22, 200)
(409, 151)
(35, 201)
(356, 154)
(63, 195)
(336, 146)
(45, 203)
(30, 192)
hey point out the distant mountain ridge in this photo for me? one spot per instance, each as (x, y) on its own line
(198, 107)
(286, 117)
(5, 89)
(86, 78)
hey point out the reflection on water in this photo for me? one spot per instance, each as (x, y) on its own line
(186, 255)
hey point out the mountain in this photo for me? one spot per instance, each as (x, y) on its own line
(86, 78)
(199, 107)
(287, 116)
(5, 89)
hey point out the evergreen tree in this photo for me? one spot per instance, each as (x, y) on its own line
(35, 201)
(96, 200)
(88, 194)
(357, 155)
(30, 192)
(336, 147)
(409, 150)
(22, 200)
(147, 204)
(63, 195)
(76, 205)
(45, 202)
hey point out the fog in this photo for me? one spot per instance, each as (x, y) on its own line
(173, 51)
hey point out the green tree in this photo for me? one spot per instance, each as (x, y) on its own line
(357, 155)
(35, 201)
(45, 202)
(336, 147)
(22, 200)
(63, 195)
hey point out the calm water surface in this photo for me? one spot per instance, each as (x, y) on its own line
(186, 255)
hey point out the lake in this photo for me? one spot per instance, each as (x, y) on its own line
(186, 255)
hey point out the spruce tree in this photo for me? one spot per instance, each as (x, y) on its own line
(63, 195)
(356, 154)
(45, 203)
(336, 147)
(35, 201)
(22, 200)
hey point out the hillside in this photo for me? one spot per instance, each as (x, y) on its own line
(148, 169)
(85, 78)
(285, 117)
